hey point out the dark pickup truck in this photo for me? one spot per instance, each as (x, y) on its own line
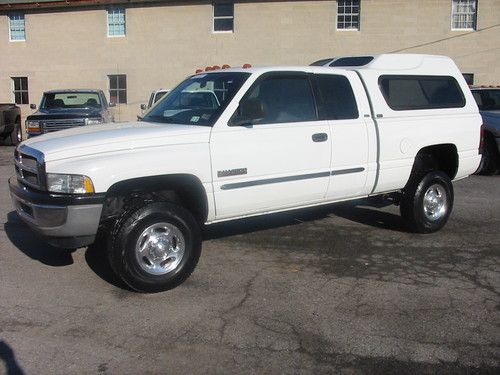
(10, 124)
(64, 109)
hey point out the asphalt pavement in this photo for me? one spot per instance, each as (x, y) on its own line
(340, 289)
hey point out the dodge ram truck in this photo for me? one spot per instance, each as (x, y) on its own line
(278, 138)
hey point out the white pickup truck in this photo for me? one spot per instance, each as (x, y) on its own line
(279, 138)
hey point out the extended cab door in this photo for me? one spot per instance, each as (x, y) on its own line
(343, 102)
(278, 162)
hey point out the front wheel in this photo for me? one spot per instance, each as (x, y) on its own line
(155, 247)
(427, 203)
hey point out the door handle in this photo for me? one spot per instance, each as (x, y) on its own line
(319, 137)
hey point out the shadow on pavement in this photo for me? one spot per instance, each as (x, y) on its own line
(353, 211)
(97, 260)
(33, 245)
(8, 357)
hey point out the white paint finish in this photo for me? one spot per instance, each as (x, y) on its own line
(269, 151)
(115, 137)
(385, 148)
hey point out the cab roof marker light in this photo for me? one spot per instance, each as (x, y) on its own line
(225, 66)
(198, 71)
(215, 67)
(246, 66)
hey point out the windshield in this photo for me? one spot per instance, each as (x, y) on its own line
(199, 100)
(487, 100)
(70, 100)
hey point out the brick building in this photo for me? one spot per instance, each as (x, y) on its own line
(129, 48)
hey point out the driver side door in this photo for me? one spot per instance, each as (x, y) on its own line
(279, 161)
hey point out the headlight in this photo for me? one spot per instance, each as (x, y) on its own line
(93, 121)
(32, 126)
(69, 183)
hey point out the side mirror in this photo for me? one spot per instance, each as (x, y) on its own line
(112, 104)
(33, 106)
(144, 107)
(249, 111)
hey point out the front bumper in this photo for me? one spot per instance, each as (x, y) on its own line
(65, 220)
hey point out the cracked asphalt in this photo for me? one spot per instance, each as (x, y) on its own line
(336, 290)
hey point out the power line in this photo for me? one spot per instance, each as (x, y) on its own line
(445, 39)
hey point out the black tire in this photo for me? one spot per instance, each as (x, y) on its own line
(16, 136)
(414, 212)
(490, 162)
(125, 237)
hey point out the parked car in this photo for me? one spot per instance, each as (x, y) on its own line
(278, 138)
(65, 109)
(488, 101)
(10, 124)
(154, 97)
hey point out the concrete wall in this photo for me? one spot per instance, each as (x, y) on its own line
(70, 49)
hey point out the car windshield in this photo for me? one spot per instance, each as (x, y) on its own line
(70, 100)
(199, 100)
(487, 100)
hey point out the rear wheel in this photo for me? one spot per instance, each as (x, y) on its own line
(155, 247)
(427, 202)
(490, 160)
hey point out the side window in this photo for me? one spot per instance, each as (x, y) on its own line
(336, 98)
(421, 92)
(285, 98)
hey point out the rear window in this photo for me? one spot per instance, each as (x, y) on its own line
(336, 100)
(421, 92)
(352, 61)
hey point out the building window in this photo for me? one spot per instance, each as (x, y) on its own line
(348, 12)
(17, 27)
(224, 17)
(20, 90)
(116, 21)
(118, 88)
(463, 14)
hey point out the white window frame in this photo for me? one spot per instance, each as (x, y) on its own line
(10, 27)
(473, 28)
(222, 17)
(13, 85)
(114, 8)
(348, 14)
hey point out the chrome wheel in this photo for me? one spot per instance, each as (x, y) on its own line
(435, 202)
(160, 248)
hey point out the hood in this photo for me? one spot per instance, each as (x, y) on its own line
(59, 113)
(494, 113)
(114, 137)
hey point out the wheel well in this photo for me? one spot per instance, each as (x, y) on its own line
(183, 189)
(443, 157)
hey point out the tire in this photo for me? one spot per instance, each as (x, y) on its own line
(16, 136)
(490, 160)
(155, 247)
(427, 202)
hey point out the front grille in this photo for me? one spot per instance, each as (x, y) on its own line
(29, 167)
(54, 125)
